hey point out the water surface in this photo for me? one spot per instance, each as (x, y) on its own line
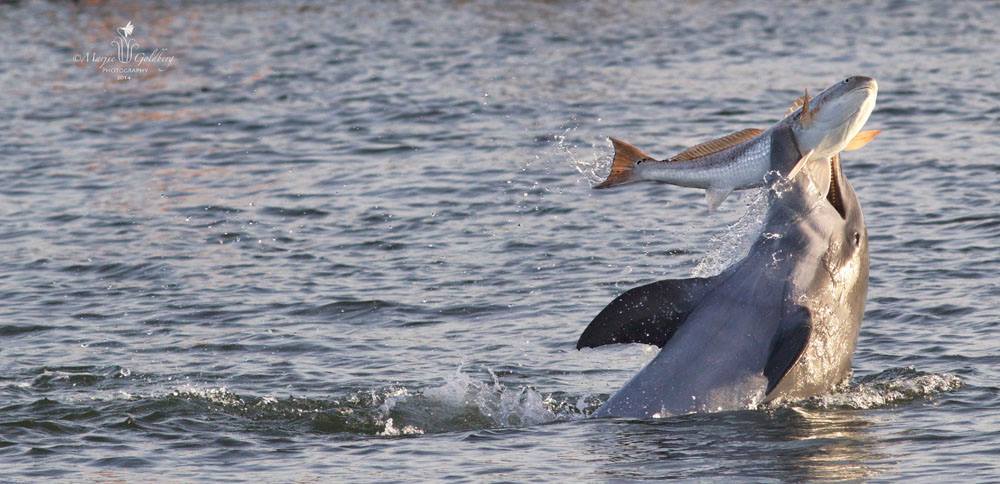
(358, 242)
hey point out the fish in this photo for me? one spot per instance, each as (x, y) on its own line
(824, 126)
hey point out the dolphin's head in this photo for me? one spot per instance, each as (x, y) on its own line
(824, 199)
(828, 122)
(853, 236)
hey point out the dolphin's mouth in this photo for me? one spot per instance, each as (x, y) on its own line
(833, 194)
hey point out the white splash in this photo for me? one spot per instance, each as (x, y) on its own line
(502, 405)
(734, 243)
(392, 431)
(890, 387)
(591, 164)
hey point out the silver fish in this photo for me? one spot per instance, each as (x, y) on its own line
(820, 127)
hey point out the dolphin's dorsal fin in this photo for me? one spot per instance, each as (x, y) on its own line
(647, 314)
(862, 139)
(790, 342)
(716, 145)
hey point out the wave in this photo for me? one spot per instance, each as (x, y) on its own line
(895, 386)
(463, 403)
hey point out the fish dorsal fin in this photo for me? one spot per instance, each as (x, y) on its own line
(716, 145)
(862, 139)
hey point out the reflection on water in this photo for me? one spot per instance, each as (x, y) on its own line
(832, 445)
(787, 443)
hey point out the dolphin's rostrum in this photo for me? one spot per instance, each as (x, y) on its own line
(781, 323)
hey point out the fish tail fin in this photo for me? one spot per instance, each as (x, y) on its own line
(624, 163)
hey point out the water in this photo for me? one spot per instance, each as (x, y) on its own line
(357, 242)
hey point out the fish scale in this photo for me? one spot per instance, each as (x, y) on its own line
(740, 166)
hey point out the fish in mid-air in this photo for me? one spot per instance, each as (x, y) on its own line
(822, 126)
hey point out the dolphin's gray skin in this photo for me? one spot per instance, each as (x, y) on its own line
(781, 323)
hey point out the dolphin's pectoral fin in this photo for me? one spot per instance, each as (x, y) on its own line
(647, 314)
(788, 345)
(715, 196)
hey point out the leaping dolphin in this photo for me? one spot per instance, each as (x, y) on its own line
(782, 322)
(826, 125)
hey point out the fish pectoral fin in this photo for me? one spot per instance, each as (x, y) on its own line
(789, 343)
(799, 165)
(716, 145)
(862, 139)
(798, 103)
(647, 314)
(715, 197)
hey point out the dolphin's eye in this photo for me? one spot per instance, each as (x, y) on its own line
(857, 238)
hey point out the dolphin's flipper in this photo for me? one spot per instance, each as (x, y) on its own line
(647, 314)
(788, 345)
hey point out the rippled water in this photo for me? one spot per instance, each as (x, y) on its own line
(358, 241)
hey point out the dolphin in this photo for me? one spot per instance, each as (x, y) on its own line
(826, 125)
(779, 324)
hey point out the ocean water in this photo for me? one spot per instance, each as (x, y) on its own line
(357, 242)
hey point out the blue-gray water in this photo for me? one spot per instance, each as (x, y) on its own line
(357, 242)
